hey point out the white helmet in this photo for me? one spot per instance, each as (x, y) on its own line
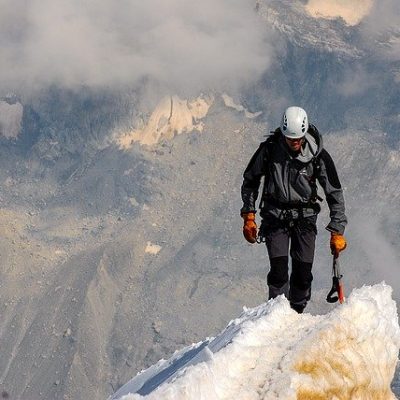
(294, 123)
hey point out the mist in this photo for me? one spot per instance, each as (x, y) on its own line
(372, 249)
(384, 15)
(381, 26)
(182, 45)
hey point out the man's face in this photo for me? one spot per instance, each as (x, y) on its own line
(294, 144)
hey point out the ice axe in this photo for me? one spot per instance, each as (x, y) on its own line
(337, 292)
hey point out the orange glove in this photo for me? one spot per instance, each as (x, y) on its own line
(338, 243)
(250, 227)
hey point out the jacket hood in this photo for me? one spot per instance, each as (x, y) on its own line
(313, 136)
(312, 146)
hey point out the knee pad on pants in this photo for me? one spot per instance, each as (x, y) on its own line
(278, 274)
(300, 283)
(301, 276)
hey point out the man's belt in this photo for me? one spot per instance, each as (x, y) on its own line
(291, 206)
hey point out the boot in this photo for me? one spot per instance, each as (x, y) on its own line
(299, 308)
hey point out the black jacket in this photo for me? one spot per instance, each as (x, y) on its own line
(290, 180)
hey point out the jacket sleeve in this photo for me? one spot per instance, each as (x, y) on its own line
(329, 180)
(252, 178)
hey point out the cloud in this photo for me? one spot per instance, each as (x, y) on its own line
(179, 44)
(355, 81)
(374, 248)
(384, 15)
(381, 29)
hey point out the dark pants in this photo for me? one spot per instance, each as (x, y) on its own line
(298, 235)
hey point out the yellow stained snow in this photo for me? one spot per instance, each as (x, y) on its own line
(352, 11)
(172, 116)
(344, 364)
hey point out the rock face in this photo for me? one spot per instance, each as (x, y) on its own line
(111, 257)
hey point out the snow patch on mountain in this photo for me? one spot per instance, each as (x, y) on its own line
(174, 116)
(152, 248)
(352, 12)
(171, 117)
(229, 102)
(10, 119)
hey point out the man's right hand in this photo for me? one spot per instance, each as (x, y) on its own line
(250, 227)
(338, 243)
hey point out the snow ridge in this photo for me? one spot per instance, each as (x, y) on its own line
(271, 352)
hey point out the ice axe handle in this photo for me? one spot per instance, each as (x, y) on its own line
(337, 292)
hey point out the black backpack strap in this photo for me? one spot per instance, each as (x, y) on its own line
(270, 143)
(316, 163)
(316, 171)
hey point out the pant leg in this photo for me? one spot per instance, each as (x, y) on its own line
(302, 252)
(277, 241)
(300, 284)
(278, 277)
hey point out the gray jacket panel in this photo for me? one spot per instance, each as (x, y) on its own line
(290, 181)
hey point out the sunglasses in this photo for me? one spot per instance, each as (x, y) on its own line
(295, 140)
